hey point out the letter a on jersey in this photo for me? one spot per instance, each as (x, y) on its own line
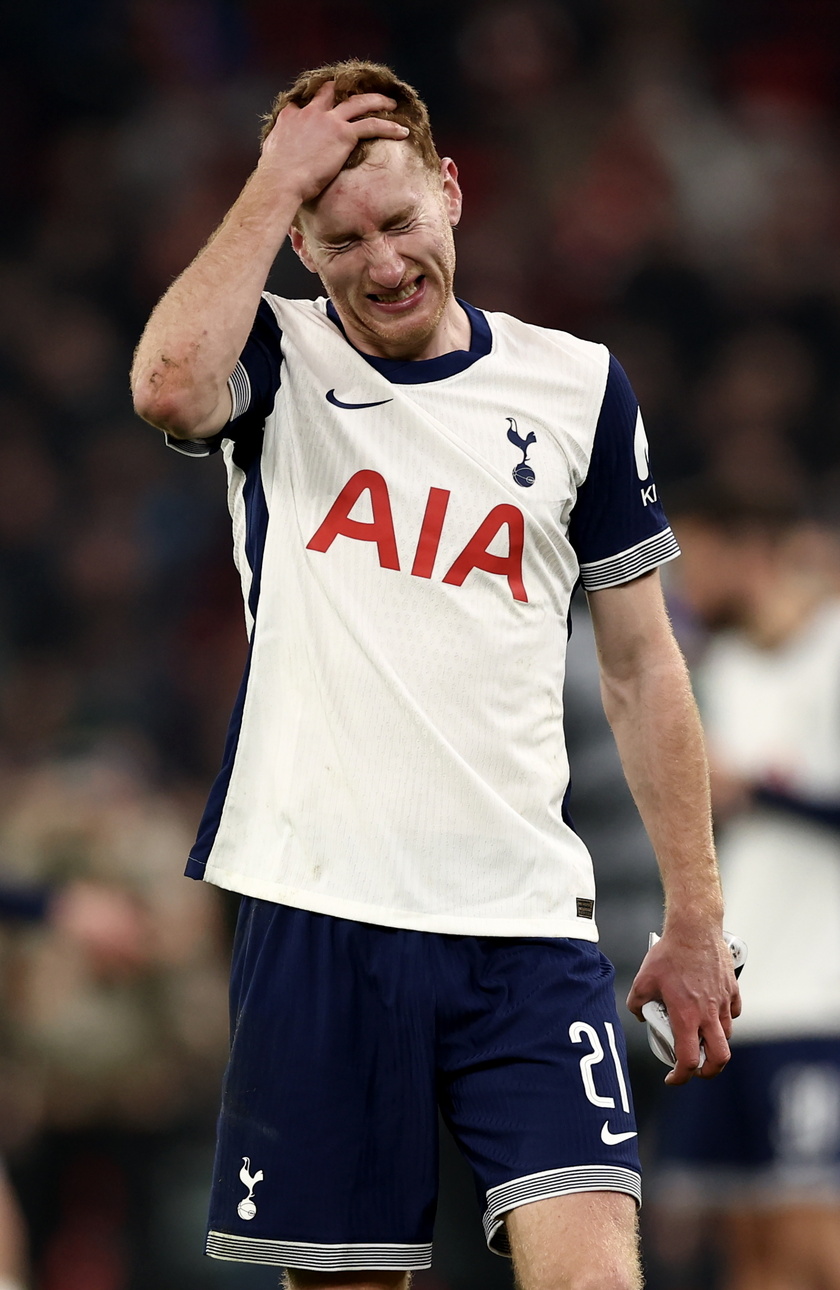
(379, 530)
(476, 555)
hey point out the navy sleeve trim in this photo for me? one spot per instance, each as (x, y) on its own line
(253, 386)
(627, 565)
(195, 447)
(617, 526)
(240, 391)
(255, 380)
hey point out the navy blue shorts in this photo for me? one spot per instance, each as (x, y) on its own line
(348, 1037)
(766, 1132)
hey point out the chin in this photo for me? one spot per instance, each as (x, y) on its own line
(409, 332)
(404, 329)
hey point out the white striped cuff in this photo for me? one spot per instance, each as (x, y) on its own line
(318, 1258)
(552, 1182)
(240, 391)
(631, 563)
(189, 448)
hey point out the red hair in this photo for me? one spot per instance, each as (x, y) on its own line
(356, 76)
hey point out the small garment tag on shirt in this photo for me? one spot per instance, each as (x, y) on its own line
(585, 907)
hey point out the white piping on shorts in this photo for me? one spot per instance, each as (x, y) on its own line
(551, 1182)
(318, 1258)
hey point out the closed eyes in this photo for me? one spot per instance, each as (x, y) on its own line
(345, 245)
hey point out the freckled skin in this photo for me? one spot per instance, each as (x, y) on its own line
(374, 232)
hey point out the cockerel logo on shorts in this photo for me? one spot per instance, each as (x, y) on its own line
(246, 1208)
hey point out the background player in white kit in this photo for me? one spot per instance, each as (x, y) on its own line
(416, 487)
(759, 1152)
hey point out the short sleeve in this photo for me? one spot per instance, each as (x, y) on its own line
(618, 527)
(253, 386)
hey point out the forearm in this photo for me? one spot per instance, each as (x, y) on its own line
(198, 330)
(657, 730)
(648, 700)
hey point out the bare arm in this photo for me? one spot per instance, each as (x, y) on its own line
(198, 330)
(648, 701)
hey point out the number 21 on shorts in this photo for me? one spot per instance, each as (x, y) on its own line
(580, 1032)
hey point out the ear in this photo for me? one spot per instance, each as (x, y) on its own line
(452, 197)
(300, 248)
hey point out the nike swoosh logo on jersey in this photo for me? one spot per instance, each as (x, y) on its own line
(351, 407)
(611, 1139)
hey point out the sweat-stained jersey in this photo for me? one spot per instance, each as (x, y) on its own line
(409, 535)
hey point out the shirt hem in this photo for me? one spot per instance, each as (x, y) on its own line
(411, 920)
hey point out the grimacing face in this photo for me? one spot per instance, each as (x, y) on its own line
(380, 239)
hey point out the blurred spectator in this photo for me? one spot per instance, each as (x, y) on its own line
(760, 1149)
(107, 926)
(13, 1241)
(112, 998)
(129, 958)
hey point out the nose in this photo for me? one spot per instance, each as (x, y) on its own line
(385, 265)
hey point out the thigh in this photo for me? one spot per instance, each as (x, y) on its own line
(587, 1241)
(534, 1081)
(327, 1141)
(298, 1280)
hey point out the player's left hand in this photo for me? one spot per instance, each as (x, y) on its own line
(690, 970)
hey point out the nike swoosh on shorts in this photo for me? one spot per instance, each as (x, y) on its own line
(337, 403)
(611, 1139)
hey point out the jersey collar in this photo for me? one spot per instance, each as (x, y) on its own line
(401, 371)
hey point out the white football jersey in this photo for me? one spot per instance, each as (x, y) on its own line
(772, 716)
(409, 535)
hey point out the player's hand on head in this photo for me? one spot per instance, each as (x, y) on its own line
(309, 145)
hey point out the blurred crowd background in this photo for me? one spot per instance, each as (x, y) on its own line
(659, 175)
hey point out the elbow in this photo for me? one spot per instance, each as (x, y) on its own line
(151, 401)
(172, 411)
(160, 413)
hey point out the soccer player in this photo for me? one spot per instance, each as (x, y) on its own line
(416, 486)
(759, 1152)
